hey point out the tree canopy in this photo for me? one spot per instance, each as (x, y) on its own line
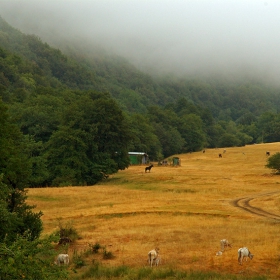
(82, 110)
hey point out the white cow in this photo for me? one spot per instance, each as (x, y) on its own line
(224, 243)
(62, 259)
(152, 256)
(244, 252)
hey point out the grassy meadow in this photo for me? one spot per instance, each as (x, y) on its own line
(183, 210)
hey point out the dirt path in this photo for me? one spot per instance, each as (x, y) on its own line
(244, 204)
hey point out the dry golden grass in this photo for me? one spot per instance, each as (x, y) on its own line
(185, 211)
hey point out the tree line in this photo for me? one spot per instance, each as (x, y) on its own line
(80, 114)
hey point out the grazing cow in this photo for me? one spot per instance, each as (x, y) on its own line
(224, 243)
(152, 257)
(203, 151)
(62, 259)
(244, 252)
(148, 168)
(220, 156)
(268, 153)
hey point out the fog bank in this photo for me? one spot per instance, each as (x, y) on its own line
(186, 37)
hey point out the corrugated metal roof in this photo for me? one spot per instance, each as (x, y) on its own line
(136, 153)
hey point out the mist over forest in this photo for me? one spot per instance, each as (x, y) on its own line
(233, 39)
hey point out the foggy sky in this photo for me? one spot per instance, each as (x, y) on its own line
(181, 36)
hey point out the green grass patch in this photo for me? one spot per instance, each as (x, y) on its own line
(97, 271)
(46, 198)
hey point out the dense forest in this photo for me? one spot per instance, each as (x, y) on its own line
(81, 110)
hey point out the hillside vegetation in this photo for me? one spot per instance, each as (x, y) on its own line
(82, 110)
(184, 210)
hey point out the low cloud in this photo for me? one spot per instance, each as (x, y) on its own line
(184, 37)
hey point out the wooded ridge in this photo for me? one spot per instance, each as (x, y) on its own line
(80, 111)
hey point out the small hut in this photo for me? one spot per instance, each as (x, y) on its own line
(176, 161)
(138, 158)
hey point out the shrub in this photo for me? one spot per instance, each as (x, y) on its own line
(107, 255)
(95, 248)
(78, 260)
(273, 162)
(67, 233)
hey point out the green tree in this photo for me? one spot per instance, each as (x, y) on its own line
(170, 139)
(244, 138)
(228, 140)
(143, 137)
(39, 115)
(132, 101)
(165, 116)
(40, 173)
(273, 162)
(251, 130)
(265, 125)
(214, 133)
(15, 168)
(22, 254)
(67, 157)
(91, 142)
(191, 130)
(7, 218)
(184, 107)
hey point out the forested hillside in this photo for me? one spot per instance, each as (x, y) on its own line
(80, 110)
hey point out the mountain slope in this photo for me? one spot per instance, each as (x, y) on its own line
(82, 66)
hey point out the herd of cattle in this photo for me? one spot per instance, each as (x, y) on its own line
(242, 252)
(155, 259)
(220, 155)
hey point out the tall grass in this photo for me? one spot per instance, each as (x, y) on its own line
(184, 211)
(98, 271)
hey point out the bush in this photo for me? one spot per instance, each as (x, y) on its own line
(78, 260)
(273, 162)
(107, 255)
(67, 233)
(95, 248)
